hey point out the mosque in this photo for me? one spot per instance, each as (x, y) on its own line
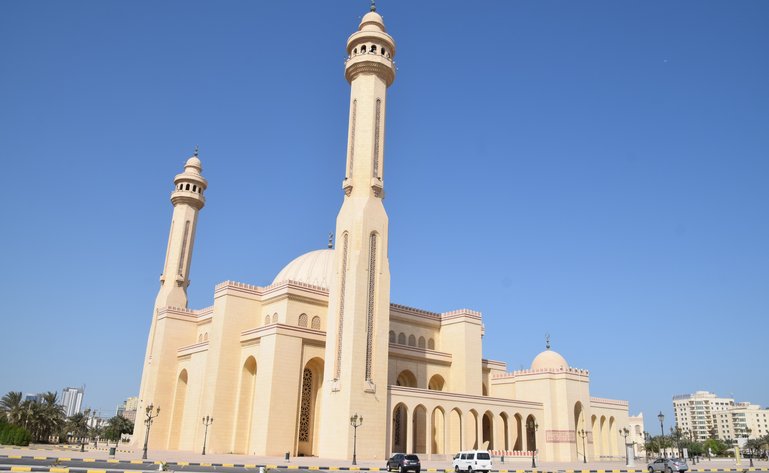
(284, 367)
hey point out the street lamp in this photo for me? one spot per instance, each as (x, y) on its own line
(625, 432)
(661, 418)
(355, 422)
(148, 423)
(534, 427)
(207, 420)
(583, 434)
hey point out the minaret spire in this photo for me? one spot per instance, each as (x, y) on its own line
(373, 5)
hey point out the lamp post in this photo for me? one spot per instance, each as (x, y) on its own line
(148, 423)
(661, 418)
(207, 420)
(625, 432)
(534, 427)
(355, 422)
(583, 434)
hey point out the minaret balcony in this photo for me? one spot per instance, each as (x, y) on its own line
(370, 63)
(188, 197)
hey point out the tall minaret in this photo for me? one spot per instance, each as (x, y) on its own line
(355, 372)
(187, 199)
(158, 377)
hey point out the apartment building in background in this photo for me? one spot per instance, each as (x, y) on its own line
(706, 415)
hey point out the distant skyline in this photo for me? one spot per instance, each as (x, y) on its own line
(593, 170)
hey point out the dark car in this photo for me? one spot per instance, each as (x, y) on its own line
(668, 465)
(403, 463)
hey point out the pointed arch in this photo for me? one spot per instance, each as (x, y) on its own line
(245, 406)
(180, 397)
(504, 440)
(437, 432)
(412, 340)
(518, 445)
(309, 408)
(531, 433)
(399, 424)
(419, 428)
(315, 324)
(472, 441)
(302, 320)
(401, 338)
(436, 383)
(431, 344)
(579, 424)
(392, 336)
(407, 379)
(421, 342)
(487, 430)
(455, 430)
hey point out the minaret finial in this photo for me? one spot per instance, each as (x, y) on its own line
(373, 5)
(547, 341)
(196, 151)
(330, 241)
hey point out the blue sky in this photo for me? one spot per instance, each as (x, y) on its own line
(593, 170)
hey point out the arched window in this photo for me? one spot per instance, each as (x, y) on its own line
(412, 341)
(200, 338)
(355, 51)
(303, 320)
(194, 188)
(187, 187)
(402, 338)
(384, 52)
(275, 318)
(363, 49)
(373, 48)
(316, 323)
(267, 319)
(392, 336)
(431, 344)
(421, 342)
(205, 337)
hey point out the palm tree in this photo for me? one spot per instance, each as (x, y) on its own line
(77, 424)
(52, 415)
(11, 407)
(116, 427)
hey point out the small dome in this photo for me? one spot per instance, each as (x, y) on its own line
(549, 360)
(372, 21)
(194, 163)
(313, 268)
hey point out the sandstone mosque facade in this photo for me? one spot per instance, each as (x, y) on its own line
(282, 368)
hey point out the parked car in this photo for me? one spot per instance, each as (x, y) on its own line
(403, 463)
(472, 460)
(668, 465)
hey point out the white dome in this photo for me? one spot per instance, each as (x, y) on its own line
(549, 360)
(313, 268)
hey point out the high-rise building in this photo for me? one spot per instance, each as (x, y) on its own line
(705, 415)
(72, 400)
(128, 408)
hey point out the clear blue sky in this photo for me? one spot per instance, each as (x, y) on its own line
(595, 170)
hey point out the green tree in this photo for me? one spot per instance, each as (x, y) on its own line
(77, 425)
(11, 407)
(116, 427)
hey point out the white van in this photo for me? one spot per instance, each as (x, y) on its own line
(472, 460)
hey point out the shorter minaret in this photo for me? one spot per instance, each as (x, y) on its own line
(160, 358)
(187, 199)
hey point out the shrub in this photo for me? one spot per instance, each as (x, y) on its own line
(13, 435)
